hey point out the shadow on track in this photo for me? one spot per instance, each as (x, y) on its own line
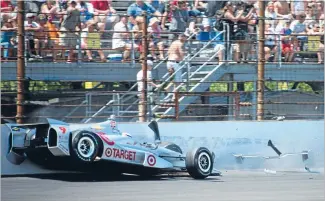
(89, 177)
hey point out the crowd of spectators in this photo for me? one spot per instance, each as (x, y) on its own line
(53, 27)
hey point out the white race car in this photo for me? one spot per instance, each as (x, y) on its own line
(101, 146)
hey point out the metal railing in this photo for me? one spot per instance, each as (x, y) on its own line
(129, 94)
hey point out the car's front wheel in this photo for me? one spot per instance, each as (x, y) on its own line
(199, 163)
(86, 146)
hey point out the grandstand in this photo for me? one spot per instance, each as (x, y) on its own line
(78, 83)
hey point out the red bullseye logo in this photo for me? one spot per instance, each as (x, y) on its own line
(151, 160)
(108, 152)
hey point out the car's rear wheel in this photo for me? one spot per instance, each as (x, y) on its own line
(86, 146)
(199, 163)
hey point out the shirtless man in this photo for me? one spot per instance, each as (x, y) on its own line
(175, 56)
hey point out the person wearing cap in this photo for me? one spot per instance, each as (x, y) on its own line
(150, 85)
(286, 42)
(71, 20)
(91, 40)
(299, 29)
(31, 27)
(42, 35)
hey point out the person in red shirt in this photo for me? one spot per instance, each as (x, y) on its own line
(6, 6)
(6, 9)
(106, 13)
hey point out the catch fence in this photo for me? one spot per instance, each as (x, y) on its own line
(215, 83)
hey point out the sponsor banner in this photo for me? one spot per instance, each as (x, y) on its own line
(120, 154)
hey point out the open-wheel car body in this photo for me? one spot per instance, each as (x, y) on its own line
(102, 146)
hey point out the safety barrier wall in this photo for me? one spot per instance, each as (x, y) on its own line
(247, 138)
(224, 139)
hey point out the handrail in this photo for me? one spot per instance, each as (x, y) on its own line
(136, 84)
(204, 64)
(130, 90)
(154, 68)
(190, 59)
(101, 109)
(75, 109)
(191, 76)
(132, 104)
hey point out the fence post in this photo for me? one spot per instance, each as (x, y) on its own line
(261, 62)
(144, 93)
(20, 62)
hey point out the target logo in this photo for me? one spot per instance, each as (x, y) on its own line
(108, 152)
(151, 160)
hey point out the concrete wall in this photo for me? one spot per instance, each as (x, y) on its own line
(229, 137)
(224, 139)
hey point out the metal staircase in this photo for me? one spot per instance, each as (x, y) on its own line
(200, 80)
(197, 78)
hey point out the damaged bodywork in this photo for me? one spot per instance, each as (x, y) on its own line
(91, 143)
(240, 158)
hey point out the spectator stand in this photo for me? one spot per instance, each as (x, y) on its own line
(198, 57)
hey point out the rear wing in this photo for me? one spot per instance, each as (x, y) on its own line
(22, 137)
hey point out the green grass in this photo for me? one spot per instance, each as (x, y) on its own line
(215, 87)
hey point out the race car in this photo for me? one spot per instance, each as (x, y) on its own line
(92, 143)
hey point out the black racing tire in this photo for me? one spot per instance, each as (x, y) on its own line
(171, 146)
(86, 146)
(199, 163)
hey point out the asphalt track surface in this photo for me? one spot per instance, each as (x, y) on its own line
(233, 185)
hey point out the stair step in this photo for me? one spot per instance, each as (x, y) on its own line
(196, 79)
(196, 76)
(166, 105)
(199, 75)
(208, 68)
(202, 72)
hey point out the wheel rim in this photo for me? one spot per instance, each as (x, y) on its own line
(86, 147)
(204, 162)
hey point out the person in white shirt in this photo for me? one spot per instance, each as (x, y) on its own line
(299, 28)
(122, 40)
(150, 85)
(30, 28)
